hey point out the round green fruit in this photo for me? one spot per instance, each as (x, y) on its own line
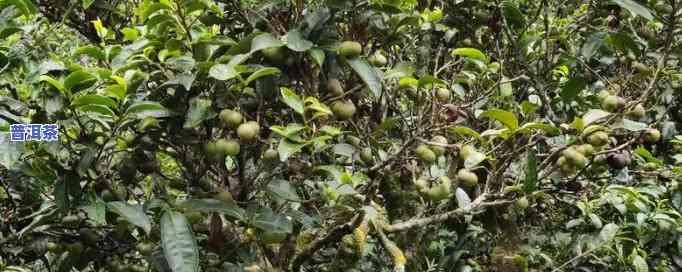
(227, 147)
(71, 221)
(75, 248)
(231, 118)
(522, 203)
(194, 217)
(354, 141)
(145, 248)
(613, 103)
(270, 155)
(638, 112)
(334, 87)
(54, 247)
(440, 191)
(603, 94)
(248, 131)
(467, 178)
(275, 54)
(377, 59)
(421, 185)
(652, 135)
(271, 237)
(574, 157)
(650, 166)
(598, 139)
(585, 149)
(465, 151)
(213, 152)
(224, 196)
(443, 95)
(439, 149)
(343, 110)
(425, 154)
(89, 236)
(350, 49)
(641, 68)
(366, 155)
(408, 83)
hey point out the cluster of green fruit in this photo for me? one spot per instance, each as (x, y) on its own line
(410, 86)
(248, 131)
(442, 188)
(614, 103)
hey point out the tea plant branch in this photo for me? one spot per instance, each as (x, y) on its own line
(333, 237)
(477, 205)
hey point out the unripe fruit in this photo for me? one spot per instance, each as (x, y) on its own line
(145, 248)
(224, 196)
(271, 155)
(366, 155)
(585, 149)
(522, 203)
(71, 221)
(652, 135)
(465, 151)
(231, 118)
(54, 247)
(212, 152)
(274, 54)
(619, 160)
(443, 95)
(248, 131)
(421, 185)
(194, 217)
(638, 112)
(228, 147)
(574, 157)
(354, 141)
(650, 166)
(271, 237)
(425, 154)
(334, 87)
(641, 67)
(603, 94)
(408, 83)
(350, 49)
(377, 59)
(598, 139)
(467, 178)
(75, 248)
(343, 110)
(613, 103)
(439, 150)
(440, 191)
(88, 236)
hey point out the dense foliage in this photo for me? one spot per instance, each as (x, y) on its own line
(332, 135)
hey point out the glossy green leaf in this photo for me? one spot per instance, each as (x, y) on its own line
(262, 72)
(464, 131)
(505, 117)
(471, 53)
(178, 243)
(283, 189)
(292, 100)
(296, 41)
(635, 8)
(94, 99)
(267, 220)
(199, 110)
(54, 83)
(209, 205)
(287, 148)
(317, 55)
(131, 213)
(222, 72)
(594, 115)
(144, 109)
(368, 75)
(78, 78)
(263, 41)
